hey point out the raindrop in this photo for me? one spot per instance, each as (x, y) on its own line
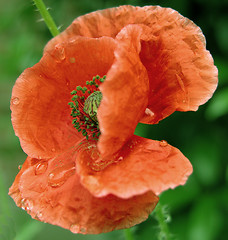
(59, 53)
(53, 149)
(29, 205)
(23, 204)
(75, 228)
(117, 159)
(26, 204)
(95, 155)
(60, 175)
(41, 167)
(38, 216)
(15, 101)
(72, 60)
(120, 158)
(72, 40)
(163, 143)
(149, 112)
(83, 230)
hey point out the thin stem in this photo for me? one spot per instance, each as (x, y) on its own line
(128, 234)
(47, 17)
(162, 218)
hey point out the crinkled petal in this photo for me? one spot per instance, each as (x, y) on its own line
(125, 93)
(51, 192)
(142, 165)
(40, 111)
(181, 71)
(110, 21)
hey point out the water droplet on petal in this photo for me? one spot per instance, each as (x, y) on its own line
(83, 230)
(15, 101)
(19, 167)
(29, 205)
(59, 53)
(53, 149)
(22, 205)
(26, 204)
(72, 60)
(41, 167)
(38, 216)
(163, 143)
(60, 175)
(149, 112)
(75, 228)
(72, 40)
(95, 155)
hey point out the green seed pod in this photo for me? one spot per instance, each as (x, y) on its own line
(92, 103)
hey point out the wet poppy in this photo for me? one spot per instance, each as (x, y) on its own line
(76, 110)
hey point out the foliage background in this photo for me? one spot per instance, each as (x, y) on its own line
(199, 209)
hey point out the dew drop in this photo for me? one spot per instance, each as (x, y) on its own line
(72, 40)
(60, 175)
(53, 149)
(29, 205)
(83, 230)
(19, 167)
(149, 112)
(95, 155)
(120, 158)
(59, 53)
(26, 204)
(41, 167)
(38, 216)
(23, 204)
(75, 228)
(163, 143)
(15, 101)
(72, 60)
(117, 159)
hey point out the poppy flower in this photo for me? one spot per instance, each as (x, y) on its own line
(116, 67)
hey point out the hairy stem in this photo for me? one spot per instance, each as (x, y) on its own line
(162, 218)
(128, 234)
(47, 17)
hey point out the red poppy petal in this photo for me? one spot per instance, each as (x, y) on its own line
(40, 111)
(61, 200)
(181, 71)
(125, 93)
(141, 165)
(108, 22)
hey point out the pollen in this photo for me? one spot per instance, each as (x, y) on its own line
(85, 103)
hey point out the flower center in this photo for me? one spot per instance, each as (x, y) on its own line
(84, 105)
(92, 103)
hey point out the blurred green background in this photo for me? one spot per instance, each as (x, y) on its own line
(199, 209)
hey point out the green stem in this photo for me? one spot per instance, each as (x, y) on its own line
(47, 17)
(128, 234)
(162, 221)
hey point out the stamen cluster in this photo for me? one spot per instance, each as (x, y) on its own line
(82, 121)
